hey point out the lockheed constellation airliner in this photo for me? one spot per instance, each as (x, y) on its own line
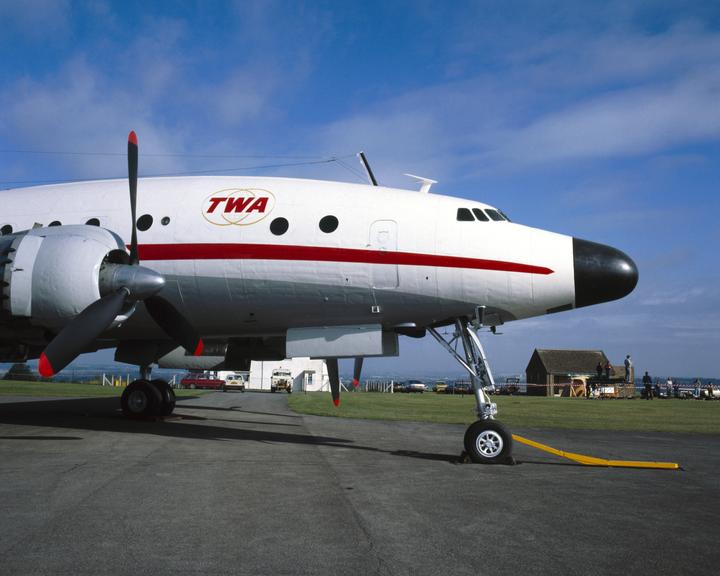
(218, 271)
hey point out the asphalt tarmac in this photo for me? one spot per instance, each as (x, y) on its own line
(238, 484)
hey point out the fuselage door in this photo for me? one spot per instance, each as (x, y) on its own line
(383, 236)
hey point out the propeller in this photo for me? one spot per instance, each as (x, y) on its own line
(123, 284)
(174, 324)
(357, 370)
(80, 333)
(132, 155)
(333, 374)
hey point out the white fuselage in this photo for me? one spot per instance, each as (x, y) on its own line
(396, 258)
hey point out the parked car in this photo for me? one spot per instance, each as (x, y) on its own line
(202, 382)
(460, 387)
(414, 386)
(440, 386)
(235, 382)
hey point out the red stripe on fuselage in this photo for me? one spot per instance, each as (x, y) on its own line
(324, 254)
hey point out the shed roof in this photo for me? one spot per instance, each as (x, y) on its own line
(570, 361)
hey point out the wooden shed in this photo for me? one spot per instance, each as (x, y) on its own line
(549, 370)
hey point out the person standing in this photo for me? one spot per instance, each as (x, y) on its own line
(628, 369)
(608, 368)
(647, 382)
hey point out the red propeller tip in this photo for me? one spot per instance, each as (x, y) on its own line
(44, 366)
(356, 383)
(132, 137)
(199, 348)
(336, 401)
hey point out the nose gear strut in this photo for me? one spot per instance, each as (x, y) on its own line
(487, 440)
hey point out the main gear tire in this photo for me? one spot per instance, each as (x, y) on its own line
(167, 395)
(140, 400)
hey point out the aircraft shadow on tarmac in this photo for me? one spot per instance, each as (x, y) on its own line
(238, 409)
(103, 415)
(41, 438)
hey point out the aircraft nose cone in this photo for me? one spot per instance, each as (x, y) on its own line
(602, 273)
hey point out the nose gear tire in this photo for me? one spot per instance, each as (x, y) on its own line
(488, 442)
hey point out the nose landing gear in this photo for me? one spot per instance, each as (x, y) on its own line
(486, 441)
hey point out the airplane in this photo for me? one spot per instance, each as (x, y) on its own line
(217, 271)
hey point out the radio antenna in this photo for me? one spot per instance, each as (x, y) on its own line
(368, 170)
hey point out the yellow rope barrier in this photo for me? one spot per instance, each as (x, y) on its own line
(592, 461)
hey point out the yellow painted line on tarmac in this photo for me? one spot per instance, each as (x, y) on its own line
(592, 461)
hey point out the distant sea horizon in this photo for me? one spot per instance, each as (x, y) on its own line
(85, 372)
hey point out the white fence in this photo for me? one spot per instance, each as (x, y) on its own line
(378, 386)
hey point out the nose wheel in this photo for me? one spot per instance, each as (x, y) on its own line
(488, 442)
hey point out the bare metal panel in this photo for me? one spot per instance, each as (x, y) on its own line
(340, 341)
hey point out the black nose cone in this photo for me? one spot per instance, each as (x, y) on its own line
(602, 273)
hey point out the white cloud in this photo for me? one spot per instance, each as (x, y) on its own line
(674, 298)
(77, 110)
(611, 95)
(628, 122)
(38, 19)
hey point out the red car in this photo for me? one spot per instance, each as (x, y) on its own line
(201, 381)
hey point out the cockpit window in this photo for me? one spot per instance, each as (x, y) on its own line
(494, 214)
(464, 215)
(504, 215)
(480, 215)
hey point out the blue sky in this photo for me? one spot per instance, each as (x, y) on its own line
(600, 120)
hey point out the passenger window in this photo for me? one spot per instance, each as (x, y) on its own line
(464, 215)
(144, 222)
(279, 226)
(328, 224)
(480, 215)
(494, 214)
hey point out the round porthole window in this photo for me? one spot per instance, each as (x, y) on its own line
(328, 224)
(165, 221)
(279, 226)
(144, 222)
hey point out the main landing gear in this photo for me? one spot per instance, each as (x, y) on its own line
(145, 398)
(486, 441)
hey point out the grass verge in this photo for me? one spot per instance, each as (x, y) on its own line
(690, 416)
(67, 390)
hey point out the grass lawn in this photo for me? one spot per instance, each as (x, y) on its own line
(694, 416)
(65, 390)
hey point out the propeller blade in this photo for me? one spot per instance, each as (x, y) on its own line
(77, 336)
(357, 370)
(333, 374)
(132, 179)
(174, 324)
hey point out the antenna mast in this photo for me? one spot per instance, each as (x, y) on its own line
(368, 170)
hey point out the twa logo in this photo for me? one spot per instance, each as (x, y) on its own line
(238, 206)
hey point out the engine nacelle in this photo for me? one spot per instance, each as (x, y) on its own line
(51, 274)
